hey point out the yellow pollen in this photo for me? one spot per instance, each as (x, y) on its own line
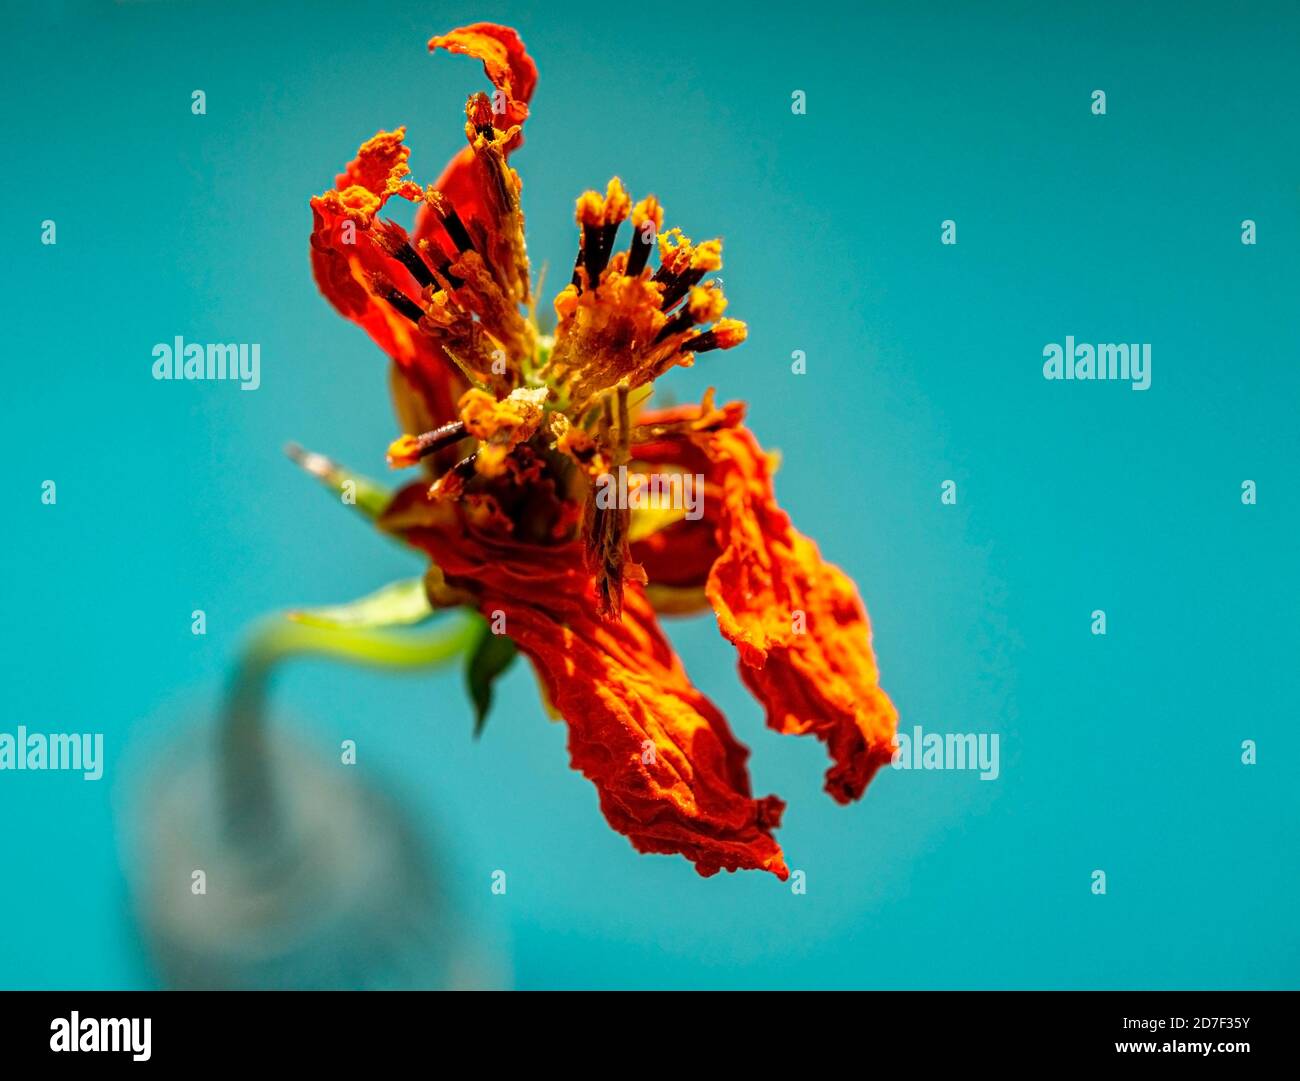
(708, 256)
(566, 301)
(491, 460)
(510, 421)
(648, 209)
(404, 452)
(674, 250)
(610, 209)
(591, 208)
(618, 204)
(729, 333)
(706, 304)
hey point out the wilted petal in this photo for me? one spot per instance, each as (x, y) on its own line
(797, 621)
(505, 61)
(669, 772)
(345, 258)
(477, 182)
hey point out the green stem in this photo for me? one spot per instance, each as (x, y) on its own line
(248, 789)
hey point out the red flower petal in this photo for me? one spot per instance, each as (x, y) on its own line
(343, 258)
(513, 73)
(801, 629)
(669, 772)
(505, 60)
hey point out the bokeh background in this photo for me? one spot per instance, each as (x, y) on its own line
(1119, 753)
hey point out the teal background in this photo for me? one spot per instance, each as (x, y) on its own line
(1119, 753)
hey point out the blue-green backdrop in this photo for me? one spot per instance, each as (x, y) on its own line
(1120, 753)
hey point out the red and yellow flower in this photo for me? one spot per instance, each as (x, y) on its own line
(513, 429)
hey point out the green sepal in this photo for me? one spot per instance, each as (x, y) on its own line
(369, 497)
(486, 661)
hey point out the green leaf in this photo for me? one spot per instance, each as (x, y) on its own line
(400, 604)
(486, 661)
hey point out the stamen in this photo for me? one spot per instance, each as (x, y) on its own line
(449, 219)
(683, 266)
(407, 450)
(727, 333)
(706, 305)
(457, 231)
(386, 290)
(638, 254)
(452, 483)
(392, 238)
(597, 246)
(677, 286)
(590, 212)
(599, 216)
(682, 320)
(646, 211)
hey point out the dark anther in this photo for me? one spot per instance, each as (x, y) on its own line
(446, 214)
(393, 240)
(678, 285)
(457, 231)
(404, 304)
(597, 245)
(701, 343)
(675, 325)
(444, 436)
(638, 254)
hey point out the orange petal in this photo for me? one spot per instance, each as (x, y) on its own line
(682, 555)
(801, 629)
(344, 256)
(669, 772)
(505, 60)
(513, 73)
